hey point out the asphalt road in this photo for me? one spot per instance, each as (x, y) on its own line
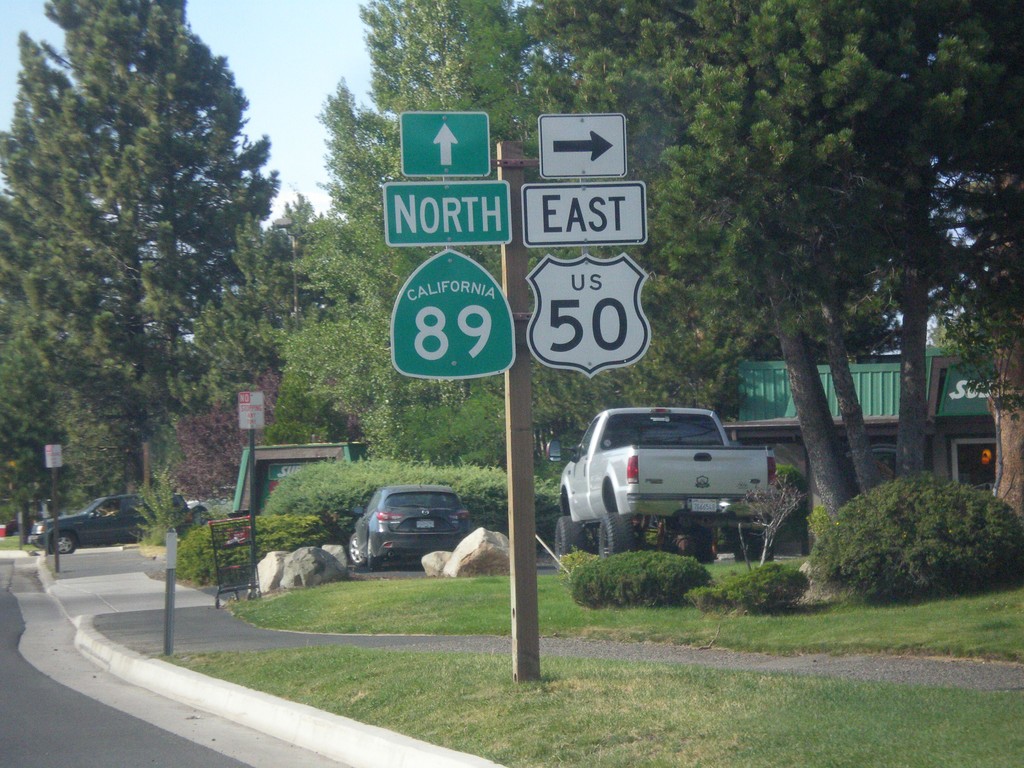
(57, 710)
(44, 724)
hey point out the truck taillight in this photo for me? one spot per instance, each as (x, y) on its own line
(633, 470)
(771, 470)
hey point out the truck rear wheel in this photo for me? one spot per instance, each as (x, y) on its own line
(570, 535)
(615, 534)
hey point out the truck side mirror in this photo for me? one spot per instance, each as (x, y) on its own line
(555, 450)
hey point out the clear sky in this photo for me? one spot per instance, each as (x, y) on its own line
(287, 56)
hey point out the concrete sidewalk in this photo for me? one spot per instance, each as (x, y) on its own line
(134, 599)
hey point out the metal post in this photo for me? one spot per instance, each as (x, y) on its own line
(172, 561)
(253, 506)
(54, 514)
(519, 434)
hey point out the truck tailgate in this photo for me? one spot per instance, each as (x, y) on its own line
(674, 475)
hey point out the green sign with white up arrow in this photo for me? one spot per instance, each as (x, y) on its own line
(445, 143)
(451, 321)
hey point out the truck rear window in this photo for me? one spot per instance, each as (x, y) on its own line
(660, 430)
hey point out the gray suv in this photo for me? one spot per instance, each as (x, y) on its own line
(405, 522)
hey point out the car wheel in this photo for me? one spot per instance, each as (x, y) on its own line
(66, 543)
(570, 535)
(354, 553)
(615, 535)
(704, 541)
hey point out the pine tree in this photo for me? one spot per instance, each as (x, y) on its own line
(127, 177)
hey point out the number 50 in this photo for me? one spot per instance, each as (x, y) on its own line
(558, 319)
(430, 324)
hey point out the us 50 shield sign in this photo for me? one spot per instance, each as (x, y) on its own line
(588, 315)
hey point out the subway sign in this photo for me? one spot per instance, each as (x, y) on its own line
(961, 396)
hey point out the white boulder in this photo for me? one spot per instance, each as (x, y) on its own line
(482, 553)
(270, 569)
(434, 563)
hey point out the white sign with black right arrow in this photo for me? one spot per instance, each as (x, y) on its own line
(579, 146)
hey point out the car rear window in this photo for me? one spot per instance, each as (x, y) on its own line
(424, 500)
(660, 430)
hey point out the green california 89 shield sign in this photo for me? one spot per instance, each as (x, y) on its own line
(451, 321)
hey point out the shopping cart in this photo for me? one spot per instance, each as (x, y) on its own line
(234, 558)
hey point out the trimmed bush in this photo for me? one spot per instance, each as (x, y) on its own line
(921, 537)
(636, 579)
(569, 563)
(772, 588)
(287, 533)
(330, 490)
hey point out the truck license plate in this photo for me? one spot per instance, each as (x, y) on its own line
(424, 523)
(703, 505)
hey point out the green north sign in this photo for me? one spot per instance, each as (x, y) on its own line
(451, 321)
(447, 213)
(445, 143)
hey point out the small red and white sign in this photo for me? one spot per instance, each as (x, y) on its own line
(54, 456)
(250, 410)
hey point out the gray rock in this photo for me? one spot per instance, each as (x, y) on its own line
(311, 567)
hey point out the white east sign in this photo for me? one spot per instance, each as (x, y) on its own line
(584, 214)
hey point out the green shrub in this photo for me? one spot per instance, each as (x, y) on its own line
(772, 588)
(921, 537)
(569, 563)
(818, 522)
(330, 490)
(285, 532)
(195, 557)
(637, 579)
(158, 509)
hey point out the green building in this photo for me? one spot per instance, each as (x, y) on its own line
(961, 441)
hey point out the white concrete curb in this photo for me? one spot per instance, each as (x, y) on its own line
(335, 737)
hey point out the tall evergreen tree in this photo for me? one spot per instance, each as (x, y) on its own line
(128, 176)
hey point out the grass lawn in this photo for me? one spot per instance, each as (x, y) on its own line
(986, 626)
(11, 542)
(600, 714)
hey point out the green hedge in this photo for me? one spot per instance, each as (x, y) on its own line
(921, 537)
(286, 533)
(636, 579)
(330, 490)
(772, 588)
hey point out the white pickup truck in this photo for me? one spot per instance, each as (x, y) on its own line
(668, 472)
